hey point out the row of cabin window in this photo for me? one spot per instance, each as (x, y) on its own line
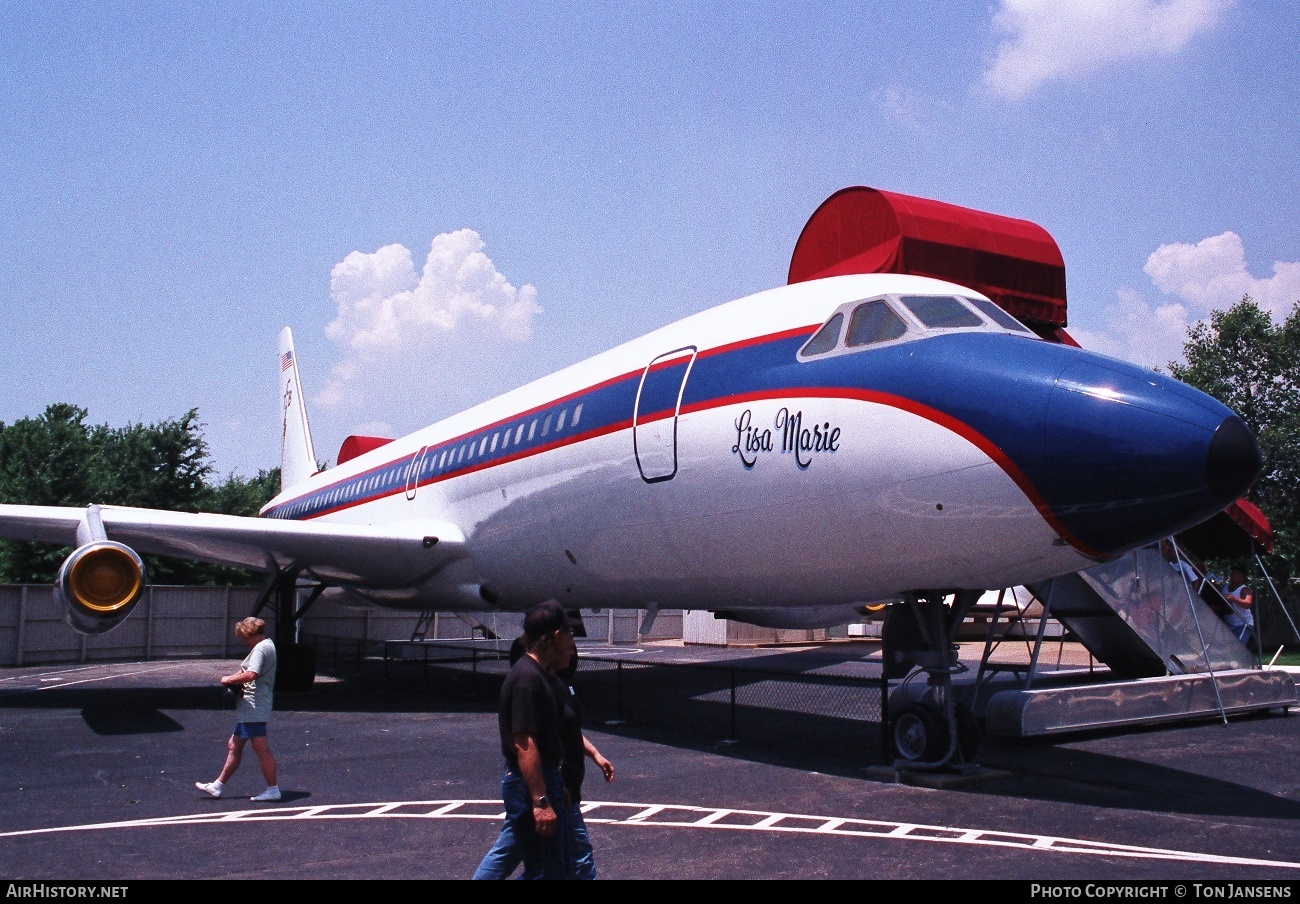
(503, 439)
(388, 477)
(472, 449)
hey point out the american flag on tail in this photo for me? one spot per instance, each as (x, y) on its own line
(286, 360)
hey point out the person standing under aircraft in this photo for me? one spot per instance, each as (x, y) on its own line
(255, 684)
(529, 718)
(1181, 565)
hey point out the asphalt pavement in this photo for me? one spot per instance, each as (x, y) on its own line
(394, 776)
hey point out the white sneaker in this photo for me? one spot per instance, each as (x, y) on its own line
(208, 788)
(268, 794)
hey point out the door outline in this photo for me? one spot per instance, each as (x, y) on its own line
(413, 472)
(637, 447)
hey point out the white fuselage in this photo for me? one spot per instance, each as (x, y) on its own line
(775, 495)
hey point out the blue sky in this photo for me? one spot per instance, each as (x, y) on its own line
(447, 200)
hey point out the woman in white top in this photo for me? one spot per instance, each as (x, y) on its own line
(255, 685)
(1242, 600)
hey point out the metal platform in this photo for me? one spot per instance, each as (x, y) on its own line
(1065, 704)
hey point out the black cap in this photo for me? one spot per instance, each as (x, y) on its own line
(545, 618)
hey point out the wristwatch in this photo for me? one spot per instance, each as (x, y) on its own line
(542, 803)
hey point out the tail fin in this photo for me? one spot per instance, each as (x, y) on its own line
(297, 455)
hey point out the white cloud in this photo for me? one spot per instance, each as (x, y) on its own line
(899, 105)
(396, 328)
(1062, 39)
(1207, 276)
(911, 111)
(1212, 274)
(1137, 331)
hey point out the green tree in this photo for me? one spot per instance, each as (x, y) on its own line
(58, 459)
(163, 465)
(46, 460)
(244, 496)
(1252, 365)
(239, 496)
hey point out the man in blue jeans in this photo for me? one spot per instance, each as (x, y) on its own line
(530, 719)
(577, 750)
(1242, 602)
(506, 854)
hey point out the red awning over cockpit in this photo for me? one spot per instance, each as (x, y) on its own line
(1014, 262)
(865, 230)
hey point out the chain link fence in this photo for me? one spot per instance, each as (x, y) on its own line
(799, 713)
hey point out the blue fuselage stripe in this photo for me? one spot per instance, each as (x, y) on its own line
(994, 388)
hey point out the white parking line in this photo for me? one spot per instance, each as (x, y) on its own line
(43, 676)
(677, 816)
(50, 676)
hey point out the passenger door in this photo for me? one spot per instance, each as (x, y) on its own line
(654, 415)
(413, 472)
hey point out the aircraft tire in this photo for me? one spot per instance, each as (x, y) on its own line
(919, 734)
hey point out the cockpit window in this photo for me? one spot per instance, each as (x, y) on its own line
(826, 337)
(873, 322)
(941, 312)
(893, 318)
(999, 316)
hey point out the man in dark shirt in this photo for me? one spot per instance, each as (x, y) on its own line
(504, 856)
(530, 718)
(577, 749)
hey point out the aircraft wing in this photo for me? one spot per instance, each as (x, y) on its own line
(394, 554)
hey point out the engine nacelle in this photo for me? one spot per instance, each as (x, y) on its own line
(99, 585)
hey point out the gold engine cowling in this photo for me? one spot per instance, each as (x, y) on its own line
(99, 585)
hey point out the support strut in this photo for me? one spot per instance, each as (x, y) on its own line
(295, 662)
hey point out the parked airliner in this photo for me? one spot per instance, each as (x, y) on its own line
(783, 459)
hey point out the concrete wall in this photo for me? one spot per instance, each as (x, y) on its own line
(177, 622)
(704, 628)
(167, 623)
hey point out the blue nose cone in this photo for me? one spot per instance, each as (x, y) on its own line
(1233, 463)
(1134, 456)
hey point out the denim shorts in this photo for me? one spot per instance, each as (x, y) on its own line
(250, 730)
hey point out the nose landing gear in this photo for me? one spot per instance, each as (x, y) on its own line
(919, 734)
(931, 730)
(922, 736)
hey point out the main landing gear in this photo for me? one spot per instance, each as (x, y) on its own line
(929, 729)
(295, 662)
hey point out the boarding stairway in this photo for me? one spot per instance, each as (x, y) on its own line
(1166, 654)
(1140, 618)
